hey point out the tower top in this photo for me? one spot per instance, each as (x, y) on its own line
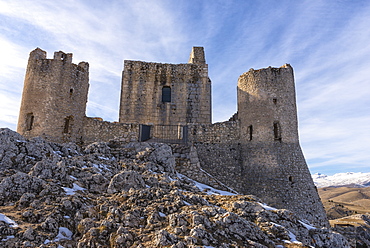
(197, 56)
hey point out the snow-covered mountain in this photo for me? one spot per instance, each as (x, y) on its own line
(353, 179)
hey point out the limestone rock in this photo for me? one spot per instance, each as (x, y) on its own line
(100, 197)
(125, 181)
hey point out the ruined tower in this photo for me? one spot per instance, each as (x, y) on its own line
(54, 97)
(274, 167)
(267, 105)
(166, 94)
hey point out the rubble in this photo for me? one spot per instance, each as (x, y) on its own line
(61, 195)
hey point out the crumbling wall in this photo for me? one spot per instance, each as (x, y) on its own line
(166, 94)
(277, 174)
(221, 132)
(54, 97)
(98, 130)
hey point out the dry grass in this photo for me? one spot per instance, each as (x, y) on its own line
(340, 202)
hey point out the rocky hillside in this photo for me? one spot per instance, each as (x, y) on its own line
(54, 195)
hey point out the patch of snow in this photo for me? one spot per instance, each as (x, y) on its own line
(59, 153)
(208, 189)
(8, 220)
(72, 177)
(340, 179)
(97, 167)
(266, 207)
(171, 179)
(67, 217)
(72, 191)
(293, 238)
(162, 214)
(104, 158)
(275, 224)
(230, 189)
(100, 167)
(306, 225)
(46, 241)
(8, 237)
(63, 234)
(187, 203)
(59, 246)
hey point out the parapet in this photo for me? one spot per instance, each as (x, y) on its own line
(37, 54)
(197, 56)
(84, 65)
(66, 57)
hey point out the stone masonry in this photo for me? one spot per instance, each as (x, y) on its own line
(187, 85)
(256, 152)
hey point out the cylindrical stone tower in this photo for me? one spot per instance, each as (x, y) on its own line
(267, 105)
(54, 97)
(273, 166)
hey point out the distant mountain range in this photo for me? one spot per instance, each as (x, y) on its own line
(349, 179)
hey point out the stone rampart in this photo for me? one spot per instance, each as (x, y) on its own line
(276, 173)
(98, 130)
(220, 132)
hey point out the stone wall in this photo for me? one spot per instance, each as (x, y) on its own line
(54, 97)
(276, 173)
(267, 105)
(98, 130)
(187, 87)
(221, 132)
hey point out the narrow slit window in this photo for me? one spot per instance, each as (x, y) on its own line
(277, 131)
(250, 132)
(274, 101)
(67, 124)
(29, 121)
(166, 94)
(70, 91)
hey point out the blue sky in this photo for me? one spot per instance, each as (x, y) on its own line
(326, 42)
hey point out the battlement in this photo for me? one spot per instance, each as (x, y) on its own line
(256, 152)
(37, 54)
(38, 57)
(65, 57)
(54, 97)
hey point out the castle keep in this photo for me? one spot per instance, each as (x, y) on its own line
(256, 152)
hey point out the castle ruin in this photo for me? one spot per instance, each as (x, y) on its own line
(256, 152)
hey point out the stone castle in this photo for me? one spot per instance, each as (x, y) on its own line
(256, 152)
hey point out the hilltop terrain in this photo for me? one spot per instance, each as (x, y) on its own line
(344, 201)
(54, 195)
(346, 198)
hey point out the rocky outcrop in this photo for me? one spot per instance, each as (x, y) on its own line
(61, 195)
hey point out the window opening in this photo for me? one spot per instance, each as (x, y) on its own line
(29, 121)
(166, 94)
(250, 132)
(277, 131)
(274, 101)
(67, 124)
